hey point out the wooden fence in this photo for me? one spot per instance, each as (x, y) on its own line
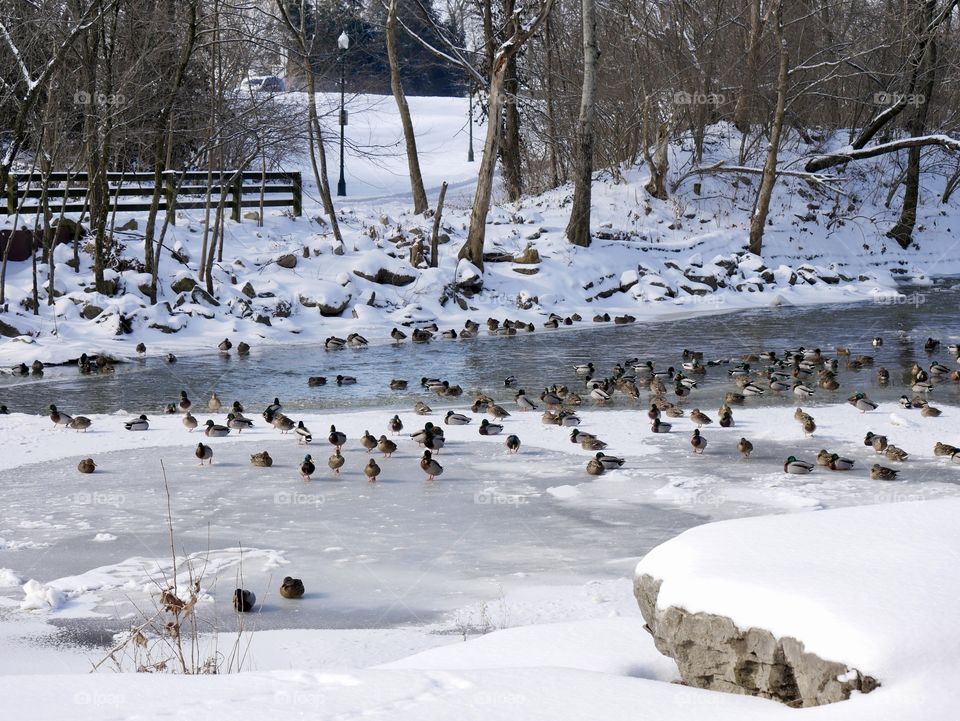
(131, 192)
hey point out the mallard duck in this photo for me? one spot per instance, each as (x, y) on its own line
(355, 340)
(237, 408)
(261, 459)
(292, 588)
(726, 420)
(862, 403)
(512, 443)
(489, 429)
(824, 457)
(274, 408)
(59, 418)
(430, 466)
(929, 411)
(609, 462)
(334, 343)
(398, 335)
(422, 409)
(938, 369)
(653, 413)
(371, 470)
(524, 403)
(336, 461)
(698, 442)
(3, 410)
(138, 424)
(86, 465)
(204, 453)
(170, 409)
(214, 403)
(879, 443)
(752, 389)
(599, 396)
(595, 467)
(243, 349)
(592, 444)
(660, 427)
(225, 345)
(701, 419)
(498, 411)
(895, 454)
(745, 447)
(243, 600)
(584, 369)
(368, 441)
(79, 423)
(449, 391)
(307, 468)
(395, 425)
(315, 381)
(931, 345)
(795, 466)
(386, 446)
(456, 419)
(171, 358)
(239, 424)
(398, 384)
(421, 336)
(303, 433)
(802, 391)
(882, 473)
(336, 438)
(434, 440)
(945, 449)
(282, 423)
(213, 430)
(734, 399)
(809, 427)
(184, 404)
(141, 348)
(343, 380)
(839, 463)
(568, 419)
(189, 422)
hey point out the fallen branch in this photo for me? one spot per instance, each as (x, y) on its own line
(719, 167)
(829, 160)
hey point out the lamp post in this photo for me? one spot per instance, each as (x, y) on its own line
(343, 42)
(470, 124)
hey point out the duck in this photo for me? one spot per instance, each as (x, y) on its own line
(568, 419)
(58, 417)
(281, 422)
(895, 453)
(336, 438)
(184, 404)
(862, 403)
(398, 384)
(745, 447)
(945, 449)
(214, 403)
(449, 334)
(273, 408)
(315, 381)
(213, 430)
(422, 409)
(430, 466)
(882, 473)
(371, 470)
(839, 463)
(261, 459)
(79, 423)
(243, 600)
(659, 426)
(609, 462)
(879, 443)
(524, 403)
(752, 389)
(726, 420)
(204, 453)
(796, 466)
(225, 345)
(355, 340)
(929, 411)
(237, 408)
(809, 426)
(698, 442)
(420, 335)
(291, 588)
(334, 343)
(801, 390)
(595, 467)
(303, 433)
(510, 381)
(3, 410)
(171, 358)
(170, 409)
(307, 468)
(386, 446)
(512, 443)
(489, 429)
(189, 422)
(701, 419)
(336, 461)
(237, 423)
(498, 412)
(86, 465)
(434, 440)
(823, 457)
(398, 335)
(243, 349)
(578, 436)
(395, 425)
(456, 419)
(345, 380)
(138, 424)
(592, 444)
(368, 441)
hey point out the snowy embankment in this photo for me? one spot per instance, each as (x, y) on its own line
(649, 258)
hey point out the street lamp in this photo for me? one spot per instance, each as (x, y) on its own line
(343, 42)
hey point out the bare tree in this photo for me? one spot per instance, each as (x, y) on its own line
(578, 228)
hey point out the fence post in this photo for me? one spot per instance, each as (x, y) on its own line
(11, 194)
(236, 190)
(297, 181)
(170, 184)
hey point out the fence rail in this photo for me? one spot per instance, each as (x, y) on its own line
(181, 191)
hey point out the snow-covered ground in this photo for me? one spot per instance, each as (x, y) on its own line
(650, 258)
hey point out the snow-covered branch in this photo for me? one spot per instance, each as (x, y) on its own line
(829, 160)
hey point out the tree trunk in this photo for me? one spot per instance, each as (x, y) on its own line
(578, 228)
(551, 107)
(741, 113)
(659, 162)
(420, 204)
(769, 177)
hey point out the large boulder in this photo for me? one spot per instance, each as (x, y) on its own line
(385, 277)
(711, 652)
